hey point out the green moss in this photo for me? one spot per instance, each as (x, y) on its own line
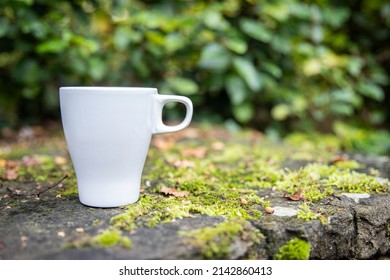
(216, 242)
(70, 190)
(152, 209)
(355, 182)
(348, 164)
(305, 213)
(318, 181)
(295, 249)
(111, 238)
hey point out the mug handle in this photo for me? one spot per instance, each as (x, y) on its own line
(159, 103)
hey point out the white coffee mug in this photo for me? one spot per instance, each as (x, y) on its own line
(108, 132)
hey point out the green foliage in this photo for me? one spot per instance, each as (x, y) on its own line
(281, 65)
(295, 249)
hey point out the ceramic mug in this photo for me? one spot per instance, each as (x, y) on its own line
(108, 132)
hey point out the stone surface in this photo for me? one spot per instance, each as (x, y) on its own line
(354, 226)
(284, 211)
(41, 229)
(356, 196)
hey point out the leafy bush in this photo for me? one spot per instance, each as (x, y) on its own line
(274, 64)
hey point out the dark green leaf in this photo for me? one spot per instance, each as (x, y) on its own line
(371, 90)
(272, 68)
(236, 89)
(255, 29)
(52, 46)
(248, 73)
(97, 68)
(183, 85)
(342, 109)
(215, 57)
(236, 44)
(244, 112)
(280, 112)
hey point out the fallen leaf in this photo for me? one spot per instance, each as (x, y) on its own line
(31, 160)
(338, 158)
(174, 192)
(197, 152)
(10, 171)
(60, 160)
(61, 234)
(183, 163)
(79, 230)
(23, 242)
(296, 196)
(269, 210)
(243, 201)
(218, 146)
(189, 133)
(163, 144)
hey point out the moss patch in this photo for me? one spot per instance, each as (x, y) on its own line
(318, 181)
(295, 249)
(216, 242)
(111, 238)
(108, 238)
(155, 208)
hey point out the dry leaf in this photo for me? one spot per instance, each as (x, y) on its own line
(218, 146)
(296, 196)
(197, 152)
(269, 210)
(10, 171)
(243, 201)
(23, 242)
(183, 163)
(189, 133)
(174, 192)
(31, 160)
(162, 143)
(61, 234)
(79, 230)
(339, 158)
(60, 160)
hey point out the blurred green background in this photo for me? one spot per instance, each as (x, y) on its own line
(285, 67)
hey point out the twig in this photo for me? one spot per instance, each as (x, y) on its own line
(52, 186)
(14, 193)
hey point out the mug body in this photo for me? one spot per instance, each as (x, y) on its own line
(108, 132)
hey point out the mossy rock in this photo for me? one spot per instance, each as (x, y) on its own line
(229, 185)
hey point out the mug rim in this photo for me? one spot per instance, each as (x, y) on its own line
(108, 88)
